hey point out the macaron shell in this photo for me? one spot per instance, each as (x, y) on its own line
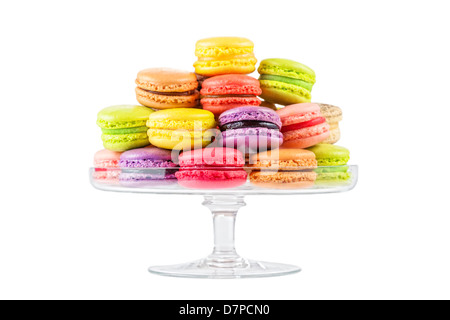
(267, 104)
(182, 115)
(332, 178)
(283, 179)
(284, 186)
(106, 176)
(157, 101)
(223, 47)
(287, 68)
(107, 159)
(306, 142)
(243, 65)
(335, 135)
(300, 112)
(180, 139)
(251, 140)
(212, 157)
(123, 116)
(284, 158)
(166, 80)
(330, 155)
(306, 132)
(219, 105)
(211, 179)
(231, 84)
(332, 113)
(247, 113)
(284, 94)
(124, 142)
(148, 158)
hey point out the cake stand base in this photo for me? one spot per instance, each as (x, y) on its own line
(200, 269)
(224, 262)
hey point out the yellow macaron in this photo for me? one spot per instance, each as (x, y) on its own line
(181, 128)
(224, 55)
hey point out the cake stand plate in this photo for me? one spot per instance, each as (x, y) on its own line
(223, 262)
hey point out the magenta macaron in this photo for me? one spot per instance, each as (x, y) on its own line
(211, 168)
(250, 129)
(147, 167)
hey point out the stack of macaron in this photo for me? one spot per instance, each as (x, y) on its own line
(202, 127)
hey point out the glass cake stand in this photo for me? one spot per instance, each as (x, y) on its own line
(223, 262)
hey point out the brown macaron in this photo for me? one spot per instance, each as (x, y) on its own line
(163, 88)
(333, 115)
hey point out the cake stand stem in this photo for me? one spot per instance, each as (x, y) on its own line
(224, 210)
(224, 262)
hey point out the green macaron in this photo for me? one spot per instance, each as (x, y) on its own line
(124, 127)
(285, 81)
(332, 161)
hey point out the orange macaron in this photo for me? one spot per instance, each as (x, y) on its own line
(164, 88)
(283, 169)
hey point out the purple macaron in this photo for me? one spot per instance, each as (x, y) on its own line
(250, 129)
(147, 167)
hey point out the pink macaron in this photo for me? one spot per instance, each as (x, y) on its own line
(302, 125)
(211, 168)
(106, 163)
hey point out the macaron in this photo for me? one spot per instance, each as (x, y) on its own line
(124, 127)
(332, 161)
(333, 115)
(229, 91)
(224, 55)
(164, 88)
(147, 167)
(106, 164)
(303, 125)
(269, 105)
(250, 129)
(211, 168)
(285, 81)
(283, 169)
(181, 128)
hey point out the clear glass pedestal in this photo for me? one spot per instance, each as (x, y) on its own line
(224, 262)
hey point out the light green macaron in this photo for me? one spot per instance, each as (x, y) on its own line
(332, 161)
(124, 127)
(285, 81)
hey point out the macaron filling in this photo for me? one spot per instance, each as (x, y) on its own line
(120, 124)
(229, 96)
(146, 163)
(305, 124)
(333, 161)
(125, 130)
(248, 124)
(286, 68)
(205, 174)
(149, 174)
(186, 93)
(296, 82)
(123, 138)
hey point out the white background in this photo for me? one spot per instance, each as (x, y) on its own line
(386, 64)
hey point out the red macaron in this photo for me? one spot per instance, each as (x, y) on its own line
(303, 125)
(229, 91)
